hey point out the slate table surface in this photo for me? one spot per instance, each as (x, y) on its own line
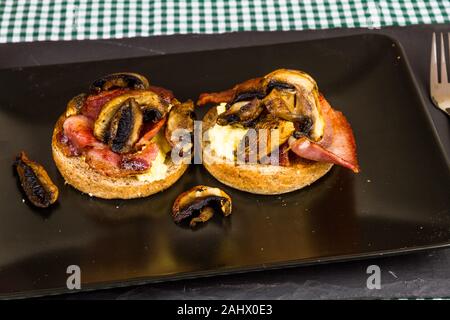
(425, 274)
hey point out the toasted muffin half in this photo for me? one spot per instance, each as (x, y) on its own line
(114, 142)
(286, 116)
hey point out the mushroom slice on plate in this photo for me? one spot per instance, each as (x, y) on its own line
(294, 96)
(37, 185)
(119, 80)
(125, 127)
(244, 112)
(199, 203)
(205, 214)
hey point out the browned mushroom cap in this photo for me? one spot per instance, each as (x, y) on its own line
(199, 203)
(119, 80)
(75, 104)
(180, 121)
(294, 96)
(244, 112)
(37, 185)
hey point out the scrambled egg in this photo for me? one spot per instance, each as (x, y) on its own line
(224, 140)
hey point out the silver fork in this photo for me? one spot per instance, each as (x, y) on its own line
(440, 91)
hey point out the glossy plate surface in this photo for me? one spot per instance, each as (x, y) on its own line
(398, 203)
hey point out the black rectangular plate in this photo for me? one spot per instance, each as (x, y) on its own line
(398, 203)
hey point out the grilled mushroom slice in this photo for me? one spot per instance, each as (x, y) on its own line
(119, 80)
(276, 84)
(125, 127)
(37, 185)
(244, 112)
(283, 104)
(75, 104)
(303, 128)
(271, 132)
(154, 107)
(180, 121)
(205, 214)
(199, 203)
(145, 99)
(293, 96)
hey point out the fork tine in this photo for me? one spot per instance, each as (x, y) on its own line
(433, 63)
(444, 78)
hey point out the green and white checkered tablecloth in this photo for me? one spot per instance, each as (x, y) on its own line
(35, 20)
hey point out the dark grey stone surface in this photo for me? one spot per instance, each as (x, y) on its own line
(415, 275)
(424, 274)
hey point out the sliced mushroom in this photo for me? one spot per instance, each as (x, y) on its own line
(293, 96)
(125, 127)
(37, 185)
(75, 104)
(119, 80)
(244, 112)
(283, 104)
(153, 105)
(289, 79)
(281, 127)
(205, 214)
(180, 121)
(271, 132)
(303, 127)
(155, 110)
(199, 203)
(248, 95)
(275, 84)
(145, 99)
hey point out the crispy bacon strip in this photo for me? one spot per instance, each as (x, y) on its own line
(66, 146)
(141, 160)
(78, 130)
(284, 155)
(115, 165)
(150, 131)
(104, 160)
(336, 146)
(252, 85)
(165, 94)
(94, 103)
